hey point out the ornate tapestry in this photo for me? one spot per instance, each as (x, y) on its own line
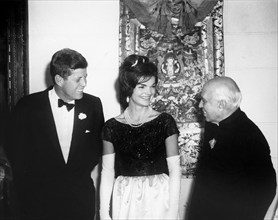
(186, 58)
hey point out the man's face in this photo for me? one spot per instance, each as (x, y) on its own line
(210, 106)
(72, 87)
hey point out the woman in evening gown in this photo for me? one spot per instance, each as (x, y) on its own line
(140, 164)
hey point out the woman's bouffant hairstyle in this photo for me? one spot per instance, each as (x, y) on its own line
(133, 69)
(66, 60)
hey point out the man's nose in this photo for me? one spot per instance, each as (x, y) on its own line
(83, 82)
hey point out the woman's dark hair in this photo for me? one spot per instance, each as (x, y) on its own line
(65, 60)
(133, 69)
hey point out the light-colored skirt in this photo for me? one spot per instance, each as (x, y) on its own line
(143, 197)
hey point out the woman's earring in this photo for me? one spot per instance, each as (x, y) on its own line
(127, 99)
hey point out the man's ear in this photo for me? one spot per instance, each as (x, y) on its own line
(59, 80)
(222, 104)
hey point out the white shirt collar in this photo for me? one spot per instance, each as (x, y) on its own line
(54, 97)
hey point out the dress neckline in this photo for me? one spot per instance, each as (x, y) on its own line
(158, 116)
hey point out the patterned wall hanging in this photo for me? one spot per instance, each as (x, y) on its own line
(186, 58)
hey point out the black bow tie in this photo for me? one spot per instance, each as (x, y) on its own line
(68, 105)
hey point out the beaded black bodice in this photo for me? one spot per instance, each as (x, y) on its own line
(140, 151)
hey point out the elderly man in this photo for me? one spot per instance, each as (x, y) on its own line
(235, 178)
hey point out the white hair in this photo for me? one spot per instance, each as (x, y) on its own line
(231, 96)
(226, 89)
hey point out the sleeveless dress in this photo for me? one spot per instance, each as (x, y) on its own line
(141, 188)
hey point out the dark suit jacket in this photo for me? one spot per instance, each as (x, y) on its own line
(47, 187)
(235, 179)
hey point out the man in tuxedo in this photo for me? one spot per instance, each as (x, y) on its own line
(55, 143)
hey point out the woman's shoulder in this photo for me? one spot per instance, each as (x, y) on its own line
(154, 115)
(165, 115)
(109, 121)
(167, 119)
(119, 118)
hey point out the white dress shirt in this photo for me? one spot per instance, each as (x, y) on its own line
(63, 121)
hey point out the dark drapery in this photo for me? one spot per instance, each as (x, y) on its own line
(159, 15)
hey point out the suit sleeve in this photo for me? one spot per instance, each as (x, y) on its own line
(100, 125)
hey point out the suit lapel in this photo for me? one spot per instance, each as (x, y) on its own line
(79, 126)
(48, 124)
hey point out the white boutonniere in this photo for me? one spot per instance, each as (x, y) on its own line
(82, 116)
(212, 142)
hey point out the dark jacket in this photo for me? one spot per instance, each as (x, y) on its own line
(235, 178)
(47, 187)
